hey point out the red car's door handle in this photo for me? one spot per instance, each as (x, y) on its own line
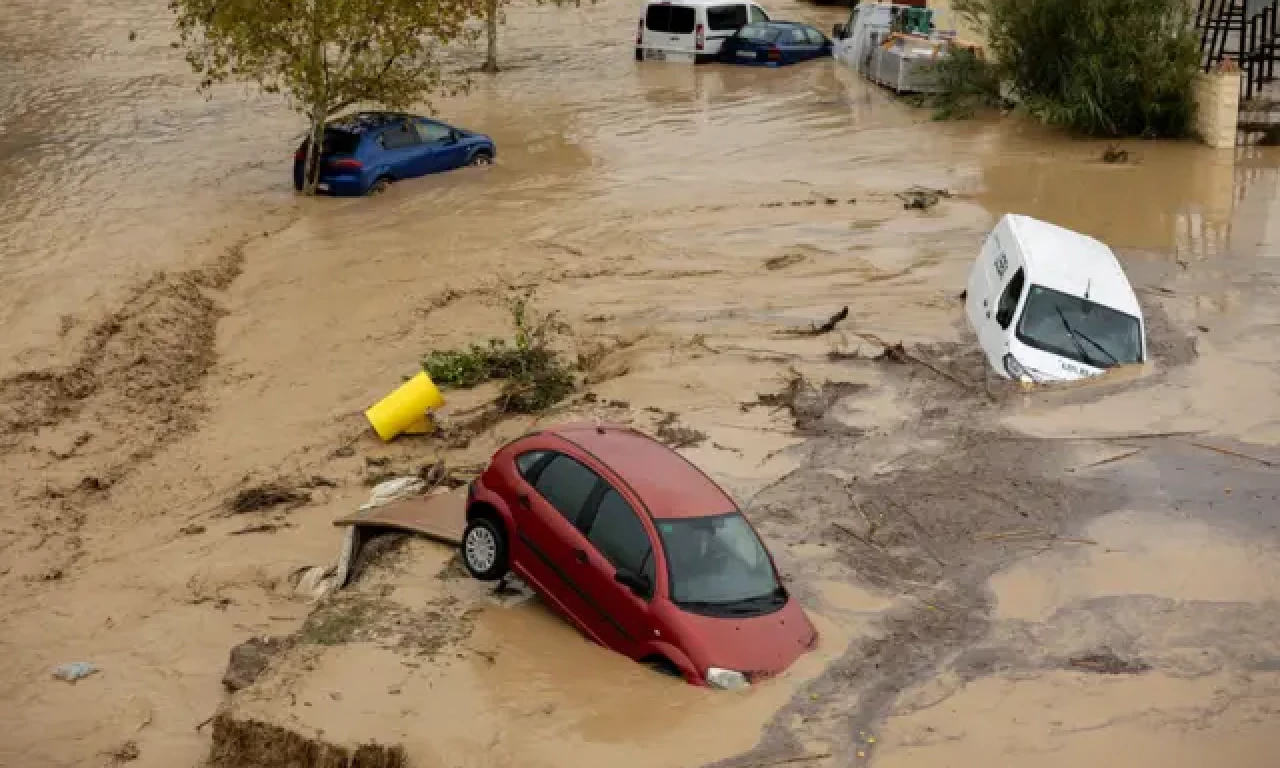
(581, 554)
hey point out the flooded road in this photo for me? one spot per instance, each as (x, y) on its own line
(179, 325)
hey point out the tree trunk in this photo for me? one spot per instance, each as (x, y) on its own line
(491, 24)
(311, 164)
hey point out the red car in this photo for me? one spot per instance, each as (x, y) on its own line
(639, 549)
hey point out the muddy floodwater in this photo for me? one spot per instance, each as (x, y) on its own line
(1064, 577)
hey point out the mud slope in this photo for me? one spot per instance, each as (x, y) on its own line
(68, 434)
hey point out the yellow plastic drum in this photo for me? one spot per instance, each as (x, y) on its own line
(406, 409)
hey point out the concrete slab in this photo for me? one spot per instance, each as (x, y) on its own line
(441, 517)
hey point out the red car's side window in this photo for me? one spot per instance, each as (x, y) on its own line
(566, 485)
(528, 462)
(619, 535)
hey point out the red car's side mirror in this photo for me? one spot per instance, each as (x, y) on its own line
(637, 583)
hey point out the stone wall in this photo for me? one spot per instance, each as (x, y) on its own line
(1217, 108)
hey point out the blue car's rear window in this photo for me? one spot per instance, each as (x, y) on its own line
(336, 142)
(758, 33)
(340, 142)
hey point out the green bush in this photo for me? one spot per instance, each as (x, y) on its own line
(1101, 67)
(968, 82)
(535, 378)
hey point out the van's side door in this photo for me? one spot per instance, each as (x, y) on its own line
(985, 280)
(1005, 281)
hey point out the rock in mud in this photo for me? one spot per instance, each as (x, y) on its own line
(921, 198)
(125, 753)
(255, 744)
(1114, 154)
(248, 660)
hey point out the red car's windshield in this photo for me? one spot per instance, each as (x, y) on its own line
(718, 561)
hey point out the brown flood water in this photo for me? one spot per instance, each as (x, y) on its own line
(178, 325)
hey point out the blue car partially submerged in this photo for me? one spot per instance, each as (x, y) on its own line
(774, 44)
(365, 152)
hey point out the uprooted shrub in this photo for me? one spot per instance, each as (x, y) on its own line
(534, 375)
(1100, 67)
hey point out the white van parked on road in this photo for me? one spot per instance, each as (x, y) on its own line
(691, 30)
(1049, 304)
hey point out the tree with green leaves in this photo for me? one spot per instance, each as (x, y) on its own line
(326, 55)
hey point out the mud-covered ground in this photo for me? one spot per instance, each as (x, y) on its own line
(1000, 576)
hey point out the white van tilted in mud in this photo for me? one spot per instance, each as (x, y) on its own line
(1049, 304)
(691, 30)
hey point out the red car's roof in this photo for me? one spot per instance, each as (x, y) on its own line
(666, 482)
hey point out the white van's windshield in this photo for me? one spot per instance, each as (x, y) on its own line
(1079, 329)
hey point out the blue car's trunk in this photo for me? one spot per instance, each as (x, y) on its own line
(336, 153)
(752, 45)
(751, 52)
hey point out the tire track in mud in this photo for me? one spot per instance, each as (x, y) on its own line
(925, 532)
(69, 433)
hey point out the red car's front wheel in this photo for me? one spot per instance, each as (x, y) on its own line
(484, 549)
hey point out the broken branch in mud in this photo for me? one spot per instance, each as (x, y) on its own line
(260, 528)
(266, 496)
(809, 404)
(1108, 460)
(1237, 454)
(673, 434)
(1030, 534)
(1105, 438)
(772, 355)
(897, 353)
(1107, 663)
(818, 330)
(872, 527)
(864, 539)
(793, 759)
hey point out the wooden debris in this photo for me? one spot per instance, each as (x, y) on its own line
(1108, 460)
(1237, 454)
(818, 330)
(791, 760)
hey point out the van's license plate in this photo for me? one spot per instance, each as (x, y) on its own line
(653, 54)
(322, 187)
(746, 54)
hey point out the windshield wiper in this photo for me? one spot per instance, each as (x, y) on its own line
(1074, 339)
(742, 605)
(1077, 336)
(1101, 348)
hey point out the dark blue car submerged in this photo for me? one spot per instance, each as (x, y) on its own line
(365, 152)
(774, 44)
